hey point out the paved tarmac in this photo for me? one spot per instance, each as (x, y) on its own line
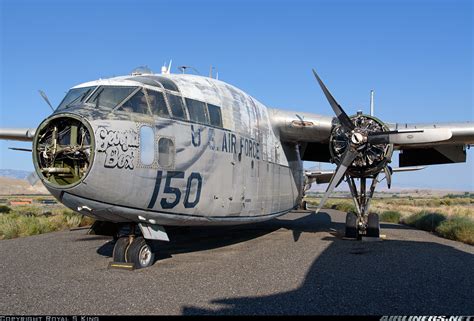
(296, 264)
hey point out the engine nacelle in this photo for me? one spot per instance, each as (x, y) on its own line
(372, 158)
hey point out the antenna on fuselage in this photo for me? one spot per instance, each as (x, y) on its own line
(183, 69)
(372, 103)
(166, 70)
(210, 72)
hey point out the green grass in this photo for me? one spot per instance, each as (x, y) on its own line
(390, 216)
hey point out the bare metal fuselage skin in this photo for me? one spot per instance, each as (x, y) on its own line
(240, 173)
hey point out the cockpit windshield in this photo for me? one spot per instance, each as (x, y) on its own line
(75, 96)
(110, 96)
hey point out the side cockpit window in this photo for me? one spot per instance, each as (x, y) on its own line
(197, 111)
(136, 104)
(215, 115)
(166, 152)
(157, 103)
(176, 106)
(75, 96)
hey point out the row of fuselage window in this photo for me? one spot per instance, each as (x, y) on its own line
(153, 102)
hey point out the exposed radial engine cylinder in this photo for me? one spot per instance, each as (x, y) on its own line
(371, 158)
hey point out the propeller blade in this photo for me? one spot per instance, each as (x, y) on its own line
(46, 99)
(33, 178)
(410, 136)
(388, 175)
(20, 149)
(340, 113)
(347, 159)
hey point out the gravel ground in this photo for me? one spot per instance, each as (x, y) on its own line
(297, 264)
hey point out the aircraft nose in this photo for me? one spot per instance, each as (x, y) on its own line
(63, 150)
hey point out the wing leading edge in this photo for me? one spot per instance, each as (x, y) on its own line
(18, 134)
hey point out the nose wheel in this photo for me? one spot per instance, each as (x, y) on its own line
(134, 249)
(362, 223)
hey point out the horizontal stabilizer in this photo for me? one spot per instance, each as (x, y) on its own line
(324, 177)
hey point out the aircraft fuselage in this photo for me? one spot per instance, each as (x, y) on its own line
(175, 171)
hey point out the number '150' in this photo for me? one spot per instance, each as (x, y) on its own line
(165, 202)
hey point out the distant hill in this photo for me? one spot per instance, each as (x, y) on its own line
(14, 173)
(10, 186)
(13, 181)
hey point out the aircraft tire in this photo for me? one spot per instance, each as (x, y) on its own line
(120, 247)
(373, 225)
(351, 226)
(140, 253)
(304, 205)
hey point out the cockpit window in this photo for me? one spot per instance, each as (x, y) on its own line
(215, 115)
(176, 106)
(197, 111)
(167, 83)
(157, 103)
(75, 96)
(136, 104)
(110, 96)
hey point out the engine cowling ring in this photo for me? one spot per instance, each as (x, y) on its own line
(372, 158)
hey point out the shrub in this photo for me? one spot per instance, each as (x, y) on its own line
(425, 220)
(390, 216)
(16, 224)
(8, 227)
(5, 209)
(457, 228)
(345, 207)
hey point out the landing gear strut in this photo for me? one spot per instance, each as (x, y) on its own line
(133, 249)
(362, 223)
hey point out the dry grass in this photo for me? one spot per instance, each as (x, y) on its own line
(32, 220)
(449, 217)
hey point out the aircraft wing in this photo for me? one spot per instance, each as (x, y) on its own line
(420, 144)
(19, 134)
(445, 143)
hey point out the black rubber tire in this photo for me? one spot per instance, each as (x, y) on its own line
(351, 226)
(140, 248)
(304, 205)
(373, 225)
(120, 248)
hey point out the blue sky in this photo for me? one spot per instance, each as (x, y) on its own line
(417, 55)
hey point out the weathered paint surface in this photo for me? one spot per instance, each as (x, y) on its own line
(236, 174)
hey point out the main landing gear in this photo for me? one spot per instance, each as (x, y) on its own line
(134, 249)
(362, 223)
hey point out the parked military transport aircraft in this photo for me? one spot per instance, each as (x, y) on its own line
(145, 151)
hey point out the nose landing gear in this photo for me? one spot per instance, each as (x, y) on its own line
(362, 223)
(134, 250)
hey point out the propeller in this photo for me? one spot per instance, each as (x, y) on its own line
(345, 121)
(46, 99)
(20, 149)
(350, 154)
(364, 142)
(401, 137)
(388, 175)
